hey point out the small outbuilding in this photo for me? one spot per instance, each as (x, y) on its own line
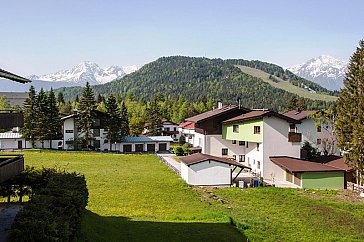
(206, 170)
(308, 174)
(141, 144)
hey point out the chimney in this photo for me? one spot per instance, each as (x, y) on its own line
(298, 110)
(219, 104)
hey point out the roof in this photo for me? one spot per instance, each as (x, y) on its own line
(255, 114)
(143, 139)
(199, 157)
(299, 165)
(13, 77)
(10, 135)
(335, 161)
(15, 98)
(187, 125)
(167, 122)
(300, 115)
(213, 113)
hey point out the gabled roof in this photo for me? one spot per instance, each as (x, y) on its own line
(75, 114)
(167, 122)
(144, 139)
(199, 157)
(299, 165)
(300, 115)
(187, 125)
(256, 114)
(13, 77)
(213, 113)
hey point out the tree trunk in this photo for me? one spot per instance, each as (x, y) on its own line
(50, 144)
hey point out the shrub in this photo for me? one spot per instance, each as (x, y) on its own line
(178, 150)
(54, 211)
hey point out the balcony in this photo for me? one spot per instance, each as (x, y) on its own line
(294, 137)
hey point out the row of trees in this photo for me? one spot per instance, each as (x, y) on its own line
(41, 117)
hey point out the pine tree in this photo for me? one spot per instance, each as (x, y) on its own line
(53, 122)
(60, 98)
(350, 114)
(114, 120)
(125, 131)
(154, 119)
(30, 117)
(292, 103)
(86, 114)
(42, 116)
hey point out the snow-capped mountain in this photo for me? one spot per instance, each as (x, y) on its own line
(324, 70)
(86, 72)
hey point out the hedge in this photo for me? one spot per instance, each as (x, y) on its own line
(54, 211)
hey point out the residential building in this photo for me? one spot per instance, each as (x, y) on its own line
(255, 136)
(168, 128)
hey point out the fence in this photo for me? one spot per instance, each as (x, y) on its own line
(10, 166)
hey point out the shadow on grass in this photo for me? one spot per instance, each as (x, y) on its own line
(99, 228)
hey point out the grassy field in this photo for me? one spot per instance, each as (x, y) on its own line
(137, 198)
(285, 85)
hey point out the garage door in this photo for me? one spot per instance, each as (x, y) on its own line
(127, 148)
(150, 147)
(162, 147)
(139, 147)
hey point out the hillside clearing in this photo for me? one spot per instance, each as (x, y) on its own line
(285, 85)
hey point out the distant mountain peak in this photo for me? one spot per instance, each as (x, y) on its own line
(325, 70)
(86, 71)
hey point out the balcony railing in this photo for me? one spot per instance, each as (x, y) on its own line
(294, 137)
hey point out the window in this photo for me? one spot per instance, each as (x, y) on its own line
(224, 151)
(292, 128)
(258, 164)
(106, 141)
(256, 129)
(241, 143)
(247, 146)
(318, 141)
(233, 142)
(69, 131)
(234, 157)
(175, 129)
(257, 146)
(166, 129)
(242, 158)
(236, 128)
(318, 128)
(96, 132)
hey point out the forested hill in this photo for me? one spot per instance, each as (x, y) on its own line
(197, 78)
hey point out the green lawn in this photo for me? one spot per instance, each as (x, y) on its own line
(285, 85)
(137, 198)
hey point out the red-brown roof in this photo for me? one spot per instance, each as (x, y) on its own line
(300, 115)
(187, 125)
(199, 157)
(213, 113)
(335, 161)
(255, 114)
(298, 165)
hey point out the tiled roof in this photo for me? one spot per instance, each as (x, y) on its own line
(197, 158)
(144, 139)
(13, 77)
(255, 114)
(300, 115)
(187, 125)
(213, 113)
(298, 165)
(10, 136)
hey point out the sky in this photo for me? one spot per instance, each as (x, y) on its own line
(41, 37)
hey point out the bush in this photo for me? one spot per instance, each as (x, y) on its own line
(54, 211)
(182, 140)
(178, 150)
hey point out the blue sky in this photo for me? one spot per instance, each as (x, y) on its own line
(40, 37)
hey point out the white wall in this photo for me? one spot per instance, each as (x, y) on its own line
(275, 137)
(208, 173)
(253, 156)
(12, 144)
(199, 141)
(215, 144)
(68, 124)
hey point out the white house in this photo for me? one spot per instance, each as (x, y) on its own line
(142, 144)
(15, 141)
(255, 136)
(206, 170)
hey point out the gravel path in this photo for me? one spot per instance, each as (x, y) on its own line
(170, 159)
(7, 216)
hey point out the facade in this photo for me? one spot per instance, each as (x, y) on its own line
(15, 141)
(320, 137)
(308, 174)
(170, 129)
(206, 170)
(255, 136)
(151, 144)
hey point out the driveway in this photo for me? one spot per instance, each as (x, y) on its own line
(7, 216)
